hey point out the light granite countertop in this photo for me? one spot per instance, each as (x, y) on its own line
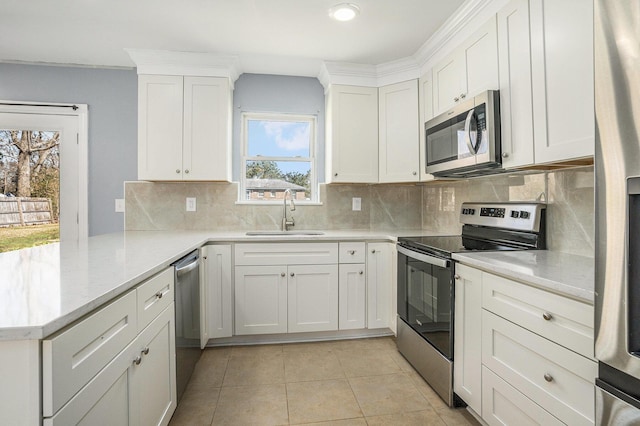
(563, 273)
(43, 289)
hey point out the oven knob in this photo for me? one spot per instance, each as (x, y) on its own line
(515, 214)
(472, 211)
(524, 214)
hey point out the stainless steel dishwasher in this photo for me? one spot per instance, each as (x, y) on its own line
(187, 288)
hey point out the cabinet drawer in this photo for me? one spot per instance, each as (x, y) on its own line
(502, 404)
(352, 252)
(154, 295)
(560, 319)
(71, 358)
(557, 379)
(286, 254)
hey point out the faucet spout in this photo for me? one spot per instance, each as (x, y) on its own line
(286, 223)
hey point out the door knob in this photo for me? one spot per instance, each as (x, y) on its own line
(145, 351)
(177, 170)
(505, 155)
(292, 274)
(282, 274)
(137, 360)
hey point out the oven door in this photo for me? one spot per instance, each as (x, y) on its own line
(425, 297)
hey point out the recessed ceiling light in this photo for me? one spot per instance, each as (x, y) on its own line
(344, 11)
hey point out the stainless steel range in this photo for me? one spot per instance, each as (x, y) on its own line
(426, 273)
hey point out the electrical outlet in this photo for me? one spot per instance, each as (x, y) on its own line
(356, 204)
(191, 204)
(119, 205)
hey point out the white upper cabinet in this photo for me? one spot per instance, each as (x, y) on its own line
(425, 105)
(352, 134)
(562, 79)
(399, 138)
(184, 128)
(516, 99)
(469, 70)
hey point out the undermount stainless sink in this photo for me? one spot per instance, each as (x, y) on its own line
(282, 233)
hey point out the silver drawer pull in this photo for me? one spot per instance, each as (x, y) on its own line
(292, 274)
(548, 377)
(145, 351)
(456, 277)
(352, 252)
(547, 316)
(373, 251)
(282, 274)
(137, 360)
(159, 295)
(361, 272)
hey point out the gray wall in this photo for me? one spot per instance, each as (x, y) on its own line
(283, 94)
(113, 101)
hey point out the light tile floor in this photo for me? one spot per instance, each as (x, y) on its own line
(348, 382)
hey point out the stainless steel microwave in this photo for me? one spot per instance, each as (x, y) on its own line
(465, 141)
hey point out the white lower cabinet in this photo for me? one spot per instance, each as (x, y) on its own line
(523, 355)
(137, 387)
(502, 404)
(312, 298)
(352, 296)
(467, 372)
(381, 285)
(261, 299)
(116, 366)
(216, 291)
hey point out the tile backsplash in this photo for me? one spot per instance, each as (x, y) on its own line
(431, 206)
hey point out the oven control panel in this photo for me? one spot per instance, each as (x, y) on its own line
(518, 216)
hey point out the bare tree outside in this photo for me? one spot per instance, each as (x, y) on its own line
(30, 169)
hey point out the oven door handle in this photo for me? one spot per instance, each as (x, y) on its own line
(432, 260)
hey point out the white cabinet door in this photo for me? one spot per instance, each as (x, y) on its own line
(154, 378)
(352, 134)
(467, 370)
(260, 299)
(312, 298)
(469, 70)
(352, 296)
(381, 285)
(502, 404)
(516, 98)
(160, 112)
(399, 138)
(217, 286)
(562, 73)
(425, 86)
(207, 143)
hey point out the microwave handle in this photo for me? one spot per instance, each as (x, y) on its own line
(467, 132)
(443, 263)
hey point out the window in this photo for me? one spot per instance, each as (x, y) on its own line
(278, 153)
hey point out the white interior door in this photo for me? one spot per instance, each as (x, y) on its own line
(72, 148)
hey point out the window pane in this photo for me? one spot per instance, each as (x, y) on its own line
(278, 138)
(276, 177)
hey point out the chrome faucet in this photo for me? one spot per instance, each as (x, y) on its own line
(285, 222)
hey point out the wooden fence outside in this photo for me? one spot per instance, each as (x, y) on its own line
(20, 211)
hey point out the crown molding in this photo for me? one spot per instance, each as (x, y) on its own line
(167, 62)
(348, 74)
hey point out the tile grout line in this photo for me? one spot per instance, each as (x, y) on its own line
(226, 365)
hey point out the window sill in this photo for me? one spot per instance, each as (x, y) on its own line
(279, 203)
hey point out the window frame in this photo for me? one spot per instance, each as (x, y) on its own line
(244, 157)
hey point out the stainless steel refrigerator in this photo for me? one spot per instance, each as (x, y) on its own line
(617, 162)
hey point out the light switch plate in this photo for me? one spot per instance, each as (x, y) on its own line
(356, 204)
(191, 204)
(119, 205)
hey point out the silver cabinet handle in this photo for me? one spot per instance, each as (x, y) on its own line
(159, 295)
(463, 95)
(145, 351)
(415, 173)
(292, 274)
(505, 155)
(282, 274)
(361, 272)
(548, 377)
(187, 171)
(335, 174)
(373, 251)
(137, 360)
(352, 252)
(177, 170)
(457, 277)
(547, 316)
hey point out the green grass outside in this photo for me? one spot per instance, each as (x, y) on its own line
(16, 238)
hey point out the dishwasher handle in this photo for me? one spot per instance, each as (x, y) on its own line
(186, 265)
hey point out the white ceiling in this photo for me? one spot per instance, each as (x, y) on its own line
(95, 32)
